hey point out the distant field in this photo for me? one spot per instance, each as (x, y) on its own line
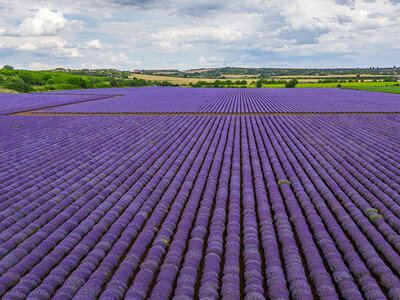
(164, 73)
(302, 78)
(330, 76)
(384, 89)
(347, 84)
(315, 80)
(302, 84)
(198, 71)
(372, 86)
(241, 76)
(175, 80)
(178, 80)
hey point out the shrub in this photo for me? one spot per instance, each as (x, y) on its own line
(49, 88)
(292, 83)
(80, 82)
(103, 85)
(30, 79)
(7, 67)
(18, 85)
(389, 79)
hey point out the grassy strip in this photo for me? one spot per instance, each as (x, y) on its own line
(383, 89)
(369, 85)
(351, 85)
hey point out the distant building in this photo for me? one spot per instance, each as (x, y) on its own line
(137, 71)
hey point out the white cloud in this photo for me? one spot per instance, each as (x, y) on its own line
(44, 22)
(52, 46)
(26, 47)
(95, 8)
(186, 33)
(92, 44)
(43, 66)
(118, 58)
(211, 59)
(177, 39)
(40, 32)
(208, 62)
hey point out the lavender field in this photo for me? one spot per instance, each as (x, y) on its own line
(13, 103)
(200, 100)
(244, 195)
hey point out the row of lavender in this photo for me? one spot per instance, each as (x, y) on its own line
(149, 100)
(207, 100)
(168, 206)
(13, 103)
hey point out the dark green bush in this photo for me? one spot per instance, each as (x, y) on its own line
(292, 83)
(18, 85)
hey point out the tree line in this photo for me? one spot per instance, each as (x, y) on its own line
(29, 81)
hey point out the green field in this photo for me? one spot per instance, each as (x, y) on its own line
(384, 89)
(353, 85)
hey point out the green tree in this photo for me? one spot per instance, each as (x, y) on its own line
(18, 85)
(113, 82)
(30, 79)
(292, 83)
(197, 84)
(79, 82)
(228, 82)
(389, 79)
(259, 84)
(46, 77)
(7, 67)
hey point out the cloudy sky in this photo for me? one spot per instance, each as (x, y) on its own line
(184, 34)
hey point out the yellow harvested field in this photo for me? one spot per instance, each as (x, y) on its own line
(241, 76)
(179, 80)
(175, 80)
(164, 73)
(198, 71)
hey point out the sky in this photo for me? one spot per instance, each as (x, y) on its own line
(186, 34)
